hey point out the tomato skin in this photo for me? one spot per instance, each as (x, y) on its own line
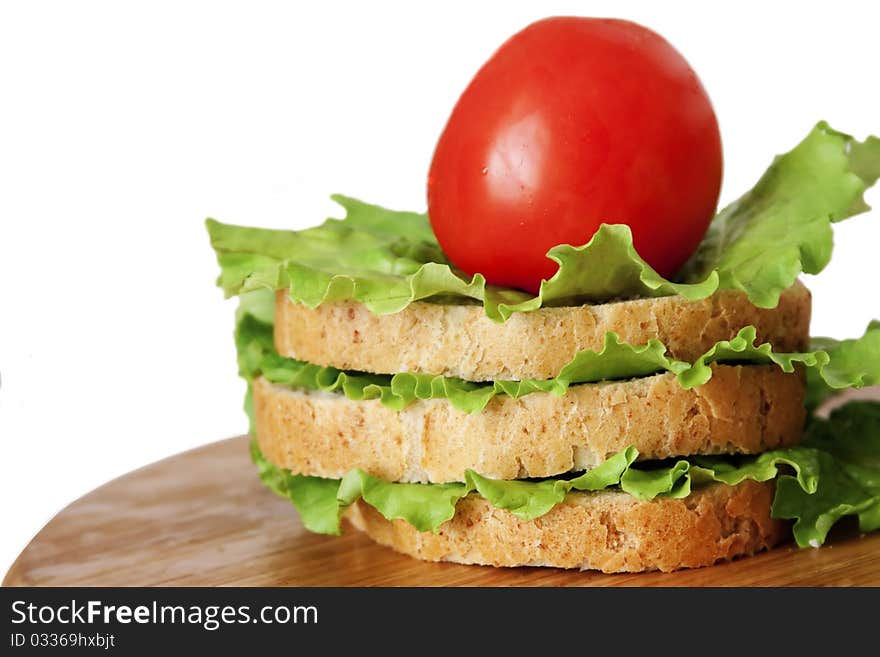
(572, 123)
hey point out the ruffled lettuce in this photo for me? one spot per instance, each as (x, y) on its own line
(847, 451)
(851, 363)
(833, 473)
(781, 228)
(387, 259)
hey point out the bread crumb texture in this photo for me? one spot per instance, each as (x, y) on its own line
(608, 531)
(743, 409)
(460, 341)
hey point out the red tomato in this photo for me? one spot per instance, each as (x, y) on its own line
(572, 123)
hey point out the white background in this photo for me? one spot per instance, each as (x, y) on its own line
(124, 125)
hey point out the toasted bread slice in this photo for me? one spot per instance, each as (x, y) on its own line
(609, 531)
(460, 341)
(741, 409)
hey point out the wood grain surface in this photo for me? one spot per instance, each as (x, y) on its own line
(203, 518)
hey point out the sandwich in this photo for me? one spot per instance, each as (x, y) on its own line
(612, 419)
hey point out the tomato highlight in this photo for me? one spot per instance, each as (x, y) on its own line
(572, 123)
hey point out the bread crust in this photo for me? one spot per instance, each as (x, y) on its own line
(741, 409)
(608, 531)
(460, 341)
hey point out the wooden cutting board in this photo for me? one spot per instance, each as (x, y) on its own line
(204, 518)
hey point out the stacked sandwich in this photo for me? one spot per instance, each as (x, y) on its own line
(618, 422)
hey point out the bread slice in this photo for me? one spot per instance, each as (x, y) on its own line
(609, 531)
(742, 409)
(460, 341)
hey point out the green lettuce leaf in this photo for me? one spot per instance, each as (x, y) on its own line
(835, 472)
(761, 242)
(847, 447)
(528, 500)
(851, 363)
(424, 507)
(313, 497)
(387, 259)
